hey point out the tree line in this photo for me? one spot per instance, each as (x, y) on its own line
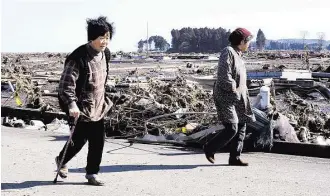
(211, 40)
(185, 40)
(204, 40)
(155, 42)
(275, 45)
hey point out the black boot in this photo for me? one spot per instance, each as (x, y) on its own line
(237, 162)
(209, 156)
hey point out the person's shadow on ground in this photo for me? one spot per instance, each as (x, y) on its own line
(126, 168)
(105, 169)
(30, 184)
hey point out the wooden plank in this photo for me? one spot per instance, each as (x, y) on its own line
(53, 79)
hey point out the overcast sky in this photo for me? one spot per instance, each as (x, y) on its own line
(60, 25)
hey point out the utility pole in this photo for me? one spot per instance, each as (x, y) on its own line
(147, 41)
(320, 36)
(304, 34)
(305, 56)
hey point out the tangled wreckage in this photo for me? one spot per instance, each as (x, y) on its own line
(170, 110)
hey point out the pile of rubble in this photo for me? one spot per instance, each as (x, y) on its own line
(55, 126)
(285, 54)
(311, 123)
(18, 81)
(162, 107)
(135, 105)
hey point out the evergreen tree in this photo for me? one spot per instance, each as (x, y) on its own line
(261, 40)
(200, 40)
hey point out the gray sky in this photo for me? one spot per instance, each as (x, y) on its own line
(60, 25)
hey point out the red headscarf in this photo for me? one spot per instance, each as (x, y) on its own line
(244, 32)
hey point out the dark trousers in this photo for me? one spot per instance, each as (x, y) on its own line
(94, 133)
(234, 133)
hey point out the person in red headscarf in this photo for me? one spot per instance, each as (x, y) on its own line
(231, 99)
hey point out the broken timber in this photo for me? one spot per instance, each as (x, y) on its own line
(31, 114)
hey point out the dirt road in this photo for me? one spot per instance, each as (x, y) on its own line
(28, 168)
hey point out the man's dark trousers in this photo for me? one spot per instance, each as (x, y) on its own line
(233, 133)
(94, 133)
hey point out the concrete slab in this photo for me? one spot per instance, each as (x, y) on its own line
(28, 168)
